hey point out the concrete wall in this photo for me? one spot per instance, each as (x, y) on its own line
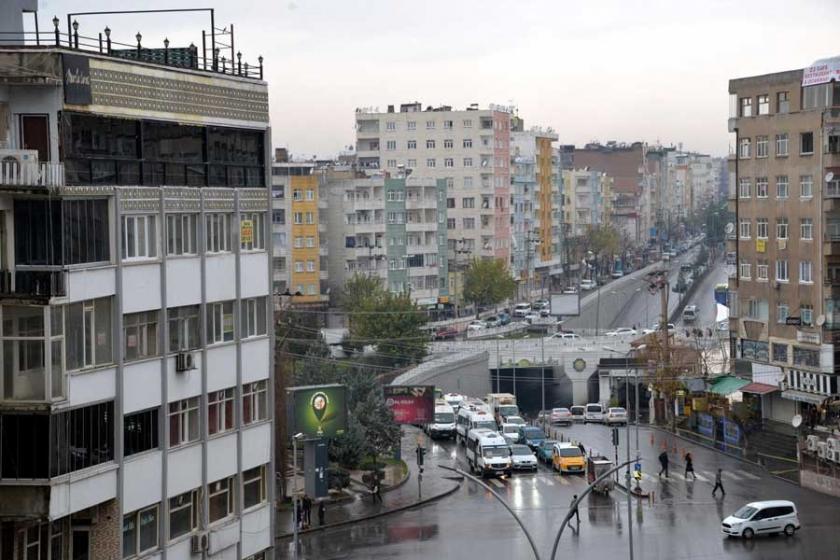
(466, 374)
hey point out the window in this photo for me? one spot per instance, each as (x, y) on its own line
(430, 162)
(219, 322)
(183, 514)
(80, 438)
(412, 163)
(469, 223)
(761, 270)
(297, 194)
(391, 163)
(468, 202)
(181, 232)
(805, 276)
(782, 189)
(298, 242)
(744, 188)
(411, 125)
(782, 102)
(746, 106)
(183, 328)
(217, 233)
(744, 229)
(467, 142)
(806, 143)
(390, 125)
(278, 217)
(447, 143)
(82, 226)
(140, 335)
(782, 271)
(412, 144)
(183, 421)
(782, 143)
(757, 309)
(89, 334)
(448, 162)
(761, 189)
(780, 352)
(744, 148)
(220, 411)
(806, 229)
(450, 223)
(806, 312)
(140, 531)
(309, 218)
(391, 145)
(140, 431)
(253, 486)
(806, 186)
(447, 125)
(430, 144)
(468, 162)
(761, 228)
(761, 146)
(745, 270)
(139, 237)
(254, 402)
(782, 312)
(310, 265)
(221, 498)
(430, 125)
(253, 317)
(781, 228)
(310, 194)
(467, 123)
(764, 104)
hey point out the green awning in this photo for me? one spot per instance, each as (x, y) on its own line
(727, 385)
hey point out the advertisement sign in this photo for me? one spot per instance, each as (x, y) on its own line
(821, 72)
(76, 79)
(411, 404)
(565, 305)
(246, 231)
(317, 410)
(731, 432)
(761, 245)
(706, 424)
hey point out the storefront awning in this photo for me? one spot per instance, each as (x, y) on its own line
(759, 388)
(802, 396)
(727, 385)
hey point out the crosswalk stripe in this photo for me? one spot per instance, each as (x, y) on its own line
(731, 476)
(563, 481)
(751, 476)
(677, 475)
(547, 480)
(497, 483)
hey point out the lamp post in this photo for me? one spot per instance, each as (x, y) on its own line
(76, 33)
(139, 38)
(56, 21)
(166, 50)
(108, 39)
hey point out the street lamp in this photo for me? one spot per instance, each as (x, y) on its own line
(298, 436)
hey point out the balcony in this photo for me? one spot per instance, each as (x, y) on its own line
(368, 204)
(16, 174)
(369, 252)
(831, 244)
(421, 226)
(31, 283)
(417, 202)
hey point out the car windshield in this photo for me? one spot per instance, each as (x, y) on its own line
(508, 410)
(444, 417)
(570, 452)
(519, 450)
(515, 420)
(511, 428)
(593, 408)
(745, 512)
(533, 433)
(548, 444)
(577, 410)
(489, 424)
(560, 411)
(493, 452)
(618, 411)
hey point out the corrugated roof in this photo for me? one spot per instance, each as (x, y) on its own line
(727, 385)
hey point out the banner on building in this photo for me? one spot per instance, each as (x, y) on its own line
(317, 410)
(411, 404)
(76, 79)
(821, 72)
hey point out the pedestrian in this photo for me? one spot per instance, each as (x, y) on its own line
(298, 513)
(307, 511)
(582, 449)
(377, 495)
(663, 461)
(575, 511)
(689, 466)
(719, 483)
(322, 513)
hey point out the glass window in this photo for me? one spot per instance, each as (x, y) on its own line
(764, 104)
(806, 186)
(805, 275)
(140, 335)
(806, 229)
(81, 438)
(782, 271)
(253, 486)
(744, 188)
(783, 102)
(89, 342)
(183, 328)
(183, 421)
(140, 431)
(744, 229)
(430, 144)
(221, 498)
(761, 187)
(140, 531)
(745, 270)
(139, 237)
(746, 106)
(782, 228)
(806, 143)
(181, 234)
(806, 312)
(254, 402)
(744, 148)
(782, 186)
(761, 228)
(782, 143)
(257, 220)
(782, 312)
(253, 317)
(220, 411)
(805, 356)
(218, 233)
(183, 514)
(761, 146)
(220, 324)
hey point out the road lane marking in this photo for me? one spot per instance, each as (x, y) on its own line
(751, 476)
(731, 476)
(547, 480)
(497, 483)
(563, 481)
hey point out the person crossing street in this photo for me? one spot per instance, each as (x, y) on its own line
(719, 483)
(663, 461)
(689, 466)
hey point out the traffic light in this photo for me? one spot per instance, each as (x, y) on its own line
(420, 452)
(615, 437)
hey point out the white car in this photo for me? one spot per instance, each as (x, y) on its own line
(476, 326)
(510, 432)
(522, 458)
(762, 518)
(588, 285)
(517, 420)
(561, 416)
(566, 336)
(521, 309)
(531, 317)
(622, 331)
(571, 290)
(655, 328)
(594, 412)
(615, 415)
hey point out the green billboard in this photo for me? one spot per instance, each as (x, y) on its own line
(317, 410)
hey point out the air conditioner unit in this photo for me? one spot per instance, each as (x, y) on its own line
(833, 444)
(812, 443)
(199, 543)
(833, 455)
(184, 362)
(822, 449)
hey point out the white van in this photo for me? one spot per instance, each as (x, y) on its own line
(470, 419)
(488, 453)
(444, 422)
(594, 413)
(762, 518)
(521, 309)
(454, 400)
(689, 314)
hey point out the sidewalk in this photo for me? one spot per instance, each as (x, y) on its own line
(399, 498)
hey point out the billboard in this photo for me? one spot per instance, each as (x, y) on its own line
(411, 404)
(317, 410)
(565, 305)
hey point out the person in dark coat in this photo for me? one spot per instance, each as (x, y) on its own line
(307, 511)
(719, 483)
(322, 513)
(689, 466)
(575, 511)
(663, 460)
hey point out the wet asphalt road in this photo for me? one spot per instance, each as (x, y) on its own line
(683, 522)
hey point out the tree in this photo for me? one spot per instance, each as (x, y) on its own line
(381, 433)
(667, 364)
(604, 240)
(488, 282)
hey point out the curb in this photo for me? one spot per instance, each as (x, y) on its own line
(413, 505)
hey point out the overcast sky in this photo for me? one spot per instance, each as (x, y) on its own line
(592, 69)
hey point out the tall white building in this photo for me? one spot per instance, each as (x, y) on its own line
(135, 396)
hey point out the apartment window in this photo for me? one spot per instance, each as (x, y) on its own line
(309, 218)
(782, 142)
(89, 337)
(390, 125)
(310, 265)
(761, 228)
(217, 233)
(221, 498)
(746, 106)
(744, 188)
(744, 229)
(183, 514)
(312, 289)
(139, 237)
(782, 271)
(806, 186)
(761, 146)
(761, 270)
(468, 162)
(806, 143)
(744, 148)
(781, 228)
(253, 317)
(447, 143)
(448, 162)
(782, 312)
(310, 242)
(832, 188)
(806, 356)
(806, 312)
(181, 233)
(183, 328)
(447, 125)
(468, 202)
(758, 309)
(257, 242)
(806, 229)
(467, 123)
(467, 142)
(782, 187)
(783, 102)
(140, 531)
(278, 217)
(764, 104)
(183, 421)
(219, 322)
(412, 144)
(140, 335)
(450, 223)
(140, 431)
(411, 125)
(469, 223)
(253, 486)
(745, 270)
(805, 276)
(83, 224)
(430, 144)
(391, 163)
(761, 187)
(310, 194)
(298, 242)
(430, 125)
(254, 402)
(391, 145)
(412, 163)
(780, 352)
(297, 194)
(220, 411)
(430, 162)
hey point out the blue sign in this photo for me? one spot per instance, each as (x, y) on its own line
(731, 432)
(706, 424)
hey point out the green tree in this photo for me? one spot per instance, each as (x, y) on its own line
(381, 433)
(488, 282)
(604, 240)
(359, 291)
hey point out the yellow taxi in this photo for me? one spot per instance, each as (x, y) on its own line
(568, 458)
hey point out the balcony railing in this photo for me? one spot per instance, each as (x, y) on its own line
(37, 283)
(16, 174)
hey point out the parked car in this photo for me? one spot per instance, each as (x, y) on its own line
(492, 321)
(532, 316)
(531, 436)
(476, 326)
(568, 458)
(578, 413)
(521, 309)
(571, 290)
(445, 333)
(615, 415)
(762, 518)
(522, 458)
(622, 331)
(588, 284)
(561, 416)
(594, 413)
(566, 336)
(504, 318)
(671, 329)
(545, 450)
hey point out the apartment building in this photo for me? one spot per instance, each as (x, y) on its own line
(136, 396)
(689, 184)
(394, 228)
(785, 194)
(590, 195)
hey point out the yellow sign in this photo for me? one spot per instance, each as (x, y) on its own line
(246, 231)
(760, 245)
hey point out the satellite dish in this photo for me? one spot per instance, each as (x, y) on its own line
(820, 320)
(829, 176)
(730, 228)
(796, 421)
